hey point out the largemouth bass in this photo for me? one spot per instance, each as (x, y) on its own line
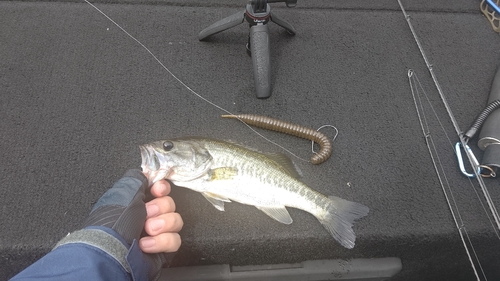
(224, 172)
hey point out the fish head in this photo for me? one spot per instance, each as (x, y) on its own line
(176, 160)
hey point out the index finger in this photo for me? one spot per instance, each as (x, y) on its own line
(160, 188)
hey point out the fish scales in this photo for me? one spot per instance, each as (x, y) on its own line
(252, 166)
(223, 172)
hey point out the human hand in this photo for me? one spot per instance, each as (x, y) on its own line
(121, 213)
(162, 222)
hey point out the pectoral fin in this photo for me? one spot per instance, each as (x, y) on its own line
(216, 200)
(278, 213)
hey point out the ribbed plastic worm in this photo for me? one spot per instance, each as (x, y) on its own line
(292, 129)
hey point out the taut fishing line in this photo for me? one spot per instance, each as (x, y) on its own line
(453, 120)
(189, 88)
(417, 91)
(416, 87)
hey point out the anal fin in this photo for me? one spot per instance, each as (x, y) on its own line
(278, 213)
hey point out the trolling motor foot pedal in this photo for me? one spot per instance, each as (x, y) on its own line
(257, 14)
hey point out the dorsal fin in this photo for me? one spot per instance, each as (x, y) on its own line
(284, 161)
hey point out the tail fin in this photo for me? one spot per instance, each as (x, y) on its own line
(339, 217)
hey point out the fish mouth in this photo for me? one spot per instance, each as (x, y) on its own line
(154, 164)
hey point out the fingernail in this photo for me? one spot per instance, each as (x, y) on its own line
(157, 224)
(152, 210)
(148, 242)
(161, 188)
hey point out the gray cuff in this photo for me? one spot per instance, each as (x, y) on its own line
(101, 240)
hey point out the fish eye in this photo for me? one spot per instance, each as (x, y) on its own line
(167, 146)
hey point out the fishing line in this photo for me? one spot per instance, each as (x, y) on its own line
(186, 86)
(440, 172)
(413, 75)
(429, 66)
(416, 81)
(463, 141)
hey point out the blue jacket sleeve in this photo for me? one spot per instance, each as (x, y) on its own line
(94, 253)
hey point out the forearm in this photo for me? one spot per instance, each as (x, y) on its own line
(108, 248)
(88, 254)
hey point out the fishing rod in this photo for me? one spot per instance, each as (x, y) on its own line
(445, 185)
